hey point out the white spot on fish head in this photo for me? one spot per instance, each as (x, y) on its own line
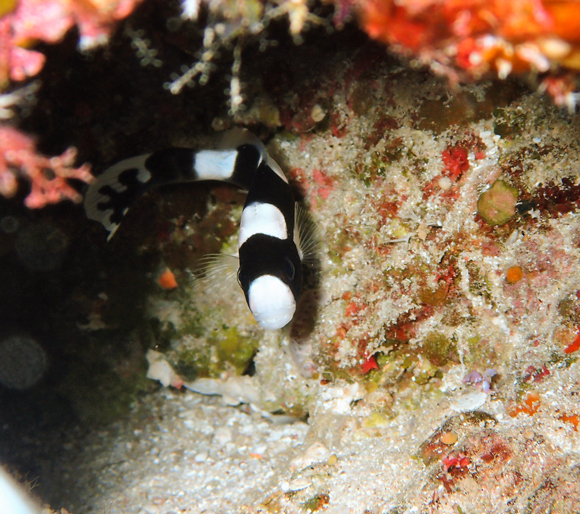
(271, 302)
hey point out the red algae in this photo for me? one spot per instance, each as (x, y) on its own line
(557, 199)
(455, 162)
(369, 364)
(534, 374)
(575, 346)
(324, 183)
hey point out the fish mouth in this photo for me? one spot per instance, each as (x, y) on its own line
(276, 320)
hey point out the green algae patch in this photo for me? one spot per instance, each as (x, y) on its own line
(483, 349)
(376, 420)
(426, 373)
(316, 503)
(438, 349)
(199, 358)
(192, 364)
(498, 204)
(236, 349)
(193, 323)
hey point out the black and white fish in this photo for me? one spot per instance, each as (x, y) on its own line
(269, 250)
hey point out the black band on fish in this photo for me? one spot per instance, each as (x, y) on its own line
(270, 269)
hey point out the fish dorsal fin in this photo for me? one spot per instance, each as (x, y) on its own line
(237, 137)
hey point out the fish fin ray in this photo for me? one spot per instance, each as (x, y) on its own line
(219, 273)
(306, 235)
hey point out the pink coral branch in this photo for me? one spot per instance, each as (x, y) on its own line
(49, 21)
(47, 175)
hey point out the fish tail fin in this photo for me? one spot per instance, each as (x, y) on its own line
(235, 161)
(109, 197)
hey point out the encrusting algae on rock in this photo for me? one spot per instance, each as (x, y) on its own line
(498, 204)
(417, 282)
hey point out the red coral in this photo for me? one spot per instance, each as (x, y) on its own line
(472, 38)
(534, 374)
(49, 20)
(369, 364)
(575, 346)
(455, 161)
(47, 175)
(455, 460)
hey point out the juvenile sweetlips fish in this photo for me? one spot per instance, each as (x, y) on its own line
(270, 257)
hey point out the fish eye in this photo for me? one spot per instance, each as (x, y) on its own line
(290, 270)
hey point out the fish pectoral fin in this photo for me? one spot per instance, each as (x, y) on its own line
(306, 235)
(219, 273)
